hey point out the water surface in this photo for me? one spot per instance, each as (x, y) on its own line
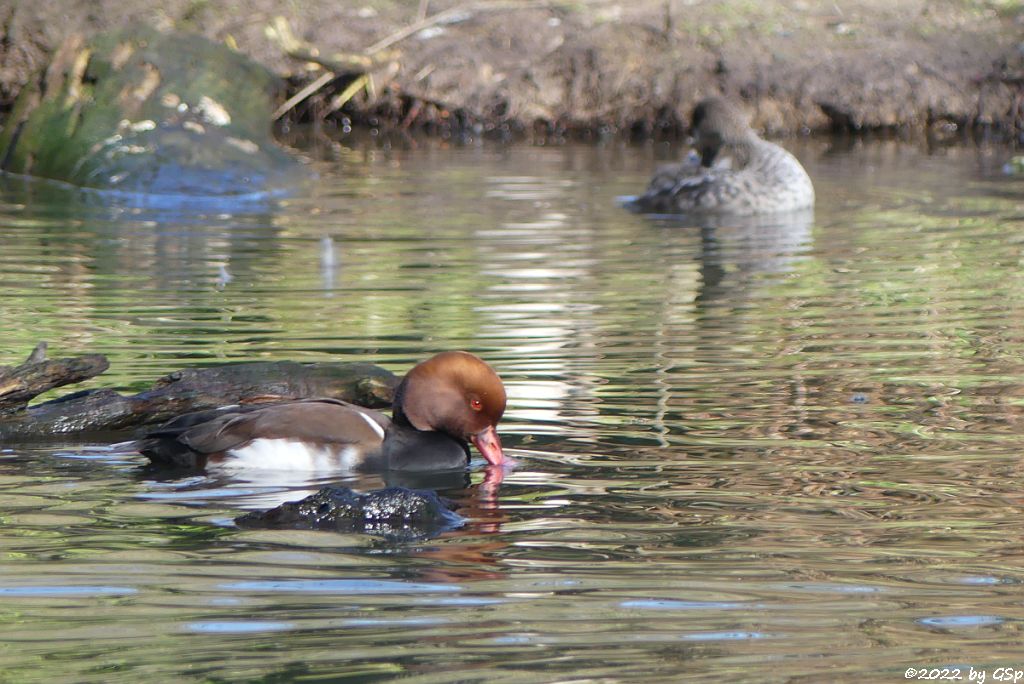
(776, 450)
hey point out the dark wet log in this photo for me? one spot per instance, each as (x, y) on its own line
(141, 111)
(19, 384)
(396, 513)
(361, 383)
(197, 389)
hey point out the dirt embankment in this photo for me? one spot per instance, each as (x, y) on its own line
(561, 66)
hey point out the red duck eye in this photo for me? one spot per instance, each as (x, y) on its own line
(475, 404)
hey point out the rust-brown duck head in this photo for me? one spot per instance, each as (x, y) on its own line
(458, 394)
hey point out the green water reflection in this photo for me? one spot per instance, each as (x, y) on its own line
(781, 450)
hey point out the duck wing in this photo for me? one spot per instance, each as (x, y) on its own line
(687, 178)
(191, 439)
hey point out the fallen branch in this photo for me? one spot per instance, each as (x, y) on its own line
(20, 384)
(194, 389)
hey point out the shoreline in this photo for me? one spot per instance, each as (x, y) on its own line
(592, 68)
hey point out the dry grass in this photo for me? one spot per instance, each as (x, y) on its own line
(598, 64)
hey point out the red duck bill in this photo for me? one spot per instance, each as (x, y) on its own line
(487, 443)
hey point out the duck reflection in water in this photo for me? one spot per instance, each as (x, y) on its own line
(736, 252)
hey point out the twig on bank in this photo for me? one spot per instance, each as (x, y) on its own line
(281, 32)
(461, 10)
(403, 33)
(349, 92)
(338, 64)
(298, 97)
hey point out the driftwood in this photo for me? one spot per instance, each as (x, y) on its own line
(19, 384)
(194, 389)
(357, 70)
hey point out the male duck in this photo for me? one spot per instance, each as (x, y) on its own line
(738, 173)
(442, 404)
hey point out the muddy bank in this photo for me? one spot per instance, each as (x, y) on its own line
(544, 68)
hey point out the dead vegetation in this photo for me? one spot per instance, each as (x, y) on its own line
(556, 67)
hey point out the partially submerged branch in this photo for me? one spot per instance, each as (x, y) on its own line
(20, 384)
(193, 389)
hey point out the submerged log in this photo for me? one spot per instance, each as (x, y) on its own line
(140, 111)
(395, 513)
(194, 389)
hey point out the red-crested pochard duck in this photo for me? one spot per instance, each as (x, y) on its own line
(442, 404)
